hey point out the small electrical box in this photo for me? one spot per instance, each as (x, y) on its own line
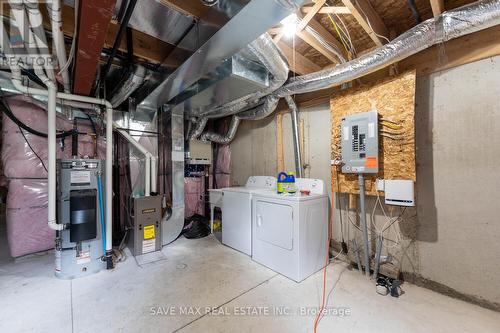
(146, 232)
(360, 143)
(200, 152)
(399, 192)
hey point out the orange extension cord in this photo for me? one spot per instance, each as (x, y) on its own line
(323, 300)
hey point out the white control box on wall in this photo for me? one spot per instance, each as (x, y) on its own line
(399, 192)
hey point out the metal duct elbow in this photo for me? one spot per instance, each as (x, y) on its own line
(200, 126)
(449, 25)
(131, 84)
(223, 138)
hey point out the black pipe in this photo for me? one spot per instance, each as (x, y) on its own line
(74, 138)
(118, 40)
(414, 10)
(5, 109)
(121, 11)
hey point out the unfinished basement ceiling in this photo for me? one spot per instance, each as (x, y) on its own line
(165, 33)
(395, 14)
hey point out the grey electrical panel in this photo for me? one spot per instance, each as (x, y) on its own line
(360, 143)
(146, 232)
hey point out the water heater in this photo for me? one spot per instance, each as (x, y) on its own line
(80, 247)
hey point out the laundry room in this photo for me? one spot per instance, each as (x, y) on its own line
(249, 165)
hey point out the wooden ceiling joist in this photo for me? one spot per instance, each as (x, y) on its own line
(340, 10)
(327, 35)
(93, 23)
(437, 7)
(310, 15)
(309, 39)
(297, 62)
(304, 19)
(368, 18)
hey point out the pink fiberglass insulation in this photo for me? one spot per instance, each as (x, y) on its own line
(223, 167)
(27, 229)
(223, 180)
(194, 196)
(18, 158)
(224, 159)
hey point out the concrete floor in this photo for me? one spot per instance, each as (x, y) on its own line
(204, 273)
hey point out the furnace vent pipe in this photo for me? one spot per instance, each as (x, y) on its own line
(148, 169)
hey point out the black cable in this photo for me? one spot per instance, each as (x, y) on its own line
(414, 10)
(6, 109)
(29, 145)
(118, 39)
(89, 118)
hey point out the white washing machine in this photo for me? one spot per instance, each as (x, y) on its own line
(290, 232)
(237, 211)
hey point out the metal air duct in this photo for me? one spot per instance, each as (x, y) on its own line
(449, 25)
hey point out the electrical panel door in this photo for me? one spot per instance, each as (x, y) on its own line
(360, 143)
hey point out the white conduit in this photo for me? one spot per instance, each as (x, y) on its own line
(54, 9)
(38, 32)
(29, 43)
(150, 159)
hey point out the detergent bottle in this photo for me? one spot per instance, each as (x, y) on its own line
(286, 183)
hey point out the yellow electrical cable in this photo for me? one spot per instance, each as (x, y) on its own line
(349, 54)
(391, 125)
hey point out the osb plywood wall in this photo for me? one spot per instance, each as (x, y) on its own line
(394, 99)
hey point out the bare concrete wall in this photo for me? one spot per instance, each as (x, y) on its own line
(454, 239)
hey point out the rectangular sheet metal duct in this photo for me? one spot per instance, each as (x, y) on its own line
(234, 78)
(241, 30)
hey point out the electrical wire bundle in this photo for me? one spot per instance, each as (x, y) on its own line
(344, 35)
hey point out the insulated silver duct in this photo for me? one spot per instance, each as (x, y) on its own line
(128, 86)
(223, 138)
(449, 25)
(261, 111)
(198, 129)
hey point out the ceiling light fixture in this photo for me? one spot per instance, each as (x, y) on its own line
(290, 24)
